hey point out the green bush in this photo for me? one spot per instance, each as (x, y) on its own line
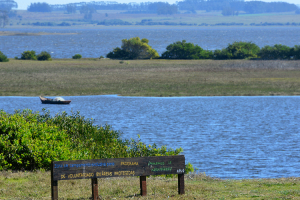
(28, 55)
(76, 56)
(275, 52)
(44, 56)
(31, 140)
(242, 50)
(3, 57)
(133, 48)
(184, 50)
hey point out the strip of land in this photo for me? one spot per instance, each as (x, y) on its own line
(11, 33)
(36, 185)
(68, 77)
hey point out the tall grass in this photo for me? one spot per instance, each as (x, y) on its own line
(150, 77)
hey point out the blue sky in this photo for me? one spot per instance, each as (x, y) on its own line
(23, 4)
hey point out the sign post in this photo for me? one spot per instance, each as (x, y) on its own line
(117, 167)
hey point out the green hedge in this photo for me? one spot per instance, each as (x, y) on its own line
(31, 140)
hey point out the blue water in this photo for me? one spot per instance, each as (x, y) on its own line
(225, 137)
(93, 43)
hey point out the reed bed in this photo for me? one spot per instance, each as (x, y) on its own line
(66, 77)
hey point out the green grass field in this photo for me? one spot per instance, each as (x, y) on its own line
(149, 77)
(36, 185)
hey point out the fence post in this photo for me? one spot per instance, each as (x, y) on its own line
(180, 183)
(54, 186)
(143, 185)
(95, 188)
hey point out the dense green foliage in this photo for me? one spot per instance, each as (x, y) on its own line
(77, 56)
(44, 56)
(133, 48)
(28, 55)
(239, 50)
(3, 57)
(31, 140)
(184, 50)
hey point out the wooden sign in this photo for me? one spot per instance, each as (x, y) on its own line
(118, 167)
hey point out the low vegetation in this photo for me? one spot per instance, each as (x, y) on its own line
(36, 185)
(3, 58)
(77, 56)
(133, 48)
(155, 77)
(30, 141)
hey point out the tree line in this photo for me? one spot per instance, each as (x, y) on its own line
(136, 48)
(228, 7)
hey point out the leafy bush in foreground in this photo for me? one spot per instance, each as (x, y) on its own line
(44, 56)
(31, 140)
(3, 57)
(28, 55)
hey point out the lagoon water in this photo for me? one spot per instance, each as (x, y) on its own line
(93, 43)
(225, 137)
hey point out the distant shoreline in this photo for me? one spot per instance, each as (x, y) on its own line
(11, 33)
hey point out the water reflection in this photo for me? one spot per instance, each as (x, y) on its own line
(226, 137)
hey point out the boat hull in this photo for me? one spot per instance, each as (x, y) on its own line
(50, 101)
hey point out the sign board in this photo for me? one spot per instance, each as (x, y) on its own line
(118, 167)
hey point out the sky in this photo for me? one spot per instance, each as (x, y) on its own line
(23, 4)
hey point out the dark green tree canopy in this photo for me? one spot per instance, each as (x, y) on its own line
(184, 50)
(133, 48)
(242, 50)
(7, 5)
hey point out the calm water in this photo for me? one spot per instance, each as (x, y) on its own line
(225, 137)
(96, 42)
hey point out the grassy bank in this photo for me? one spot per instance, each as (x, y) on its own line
(149, 77)
(36, 185)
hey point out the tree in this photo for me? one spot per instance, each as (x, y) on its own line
(4, 19)
(87, 11)
(71, 8)
(3, 57)
(277, 51)
(242, 50)
(184, 50)
(133, 48)
(5, 11)
(39, 7)
(7, 5)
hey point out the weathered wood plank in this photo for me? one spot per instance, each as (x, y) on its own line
(118, 167)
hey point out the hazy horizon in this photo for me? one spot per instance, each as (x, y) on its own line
(23, 4)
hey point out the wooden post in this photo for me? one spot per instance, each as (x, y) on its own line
(180, 183)
(54, 186)
(143, 185)
(95, 188)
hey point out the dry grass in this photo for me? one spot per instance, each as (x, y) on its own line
(36, 185)
(149, 77)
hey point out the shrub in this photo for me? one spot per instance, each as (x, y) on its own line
(133, 48)
(3, 57)
(277, 51)
(184, 50)
(44, 56)
(31, 141)
(76, 56)
(242, 50)
(28, 55)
